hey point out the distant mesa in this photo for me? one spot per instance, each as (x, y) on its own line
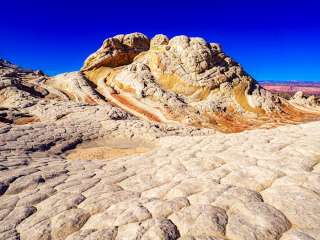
(182, 80)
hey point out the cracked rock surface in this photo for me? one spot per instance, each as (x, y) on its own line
(77, 165)
(188, 187)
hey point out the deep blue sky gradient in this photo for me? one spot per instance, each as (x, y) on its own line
(273, 40)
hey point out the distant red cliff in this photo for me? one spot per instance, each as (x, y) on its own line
(292, 87)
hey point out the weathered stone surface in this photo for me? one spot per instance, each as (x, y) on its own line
(73, 86)
(187, 81)
(200, 220)
(117, 51)
(105, 234)
(254, 178)
(15, 217)
(296, 235)
(301, 100)
(191, 191)
(300, 205)
(255, 220)
(163, 229)
(68, 222)
(192, 183)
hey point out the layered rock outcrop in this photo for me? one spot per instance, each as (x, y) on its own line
(118, 51)
(19, 87)
(183, 80)
(305, 101)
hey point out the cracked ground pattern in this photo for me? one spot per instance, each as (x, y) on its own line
(258, 184)
(190, 183)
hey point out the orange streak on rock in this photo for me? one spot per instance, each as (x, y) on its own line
(134, 108)
(239, 93)
(26, 120)
(90, 101)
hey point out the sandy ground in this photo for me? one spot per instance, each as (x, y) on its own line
(107, 149)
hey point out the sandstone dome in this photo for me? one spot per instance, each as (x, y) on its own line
(183, 80)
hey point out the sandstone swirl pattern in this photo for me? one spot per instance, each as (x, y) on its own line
(153, 161)
(184, 80)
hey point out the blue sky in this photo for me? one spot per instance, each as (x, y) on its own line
(273, 40)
